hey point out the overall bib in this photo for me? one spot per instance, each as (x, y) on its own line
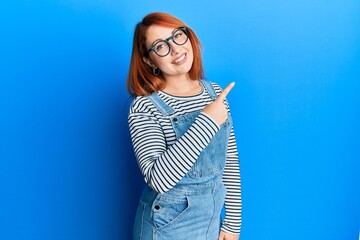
(192, 208)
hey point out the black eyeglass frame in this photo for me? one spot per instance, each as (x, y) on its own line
(167, 42)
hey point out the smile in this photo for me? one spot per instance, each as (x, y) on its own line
(180, 60)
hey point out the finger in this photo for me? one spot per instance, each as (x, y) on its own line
(221, 235)
(225, 92)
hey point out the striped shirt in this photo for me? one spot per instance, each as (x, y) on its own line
(164, 160)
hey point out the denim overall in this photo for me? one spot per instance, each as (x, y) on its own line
(192, 208)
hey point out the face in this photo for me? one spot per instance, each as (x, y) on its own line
(180, 58)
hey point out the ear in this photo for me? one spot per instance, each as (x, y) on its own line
(149, 62)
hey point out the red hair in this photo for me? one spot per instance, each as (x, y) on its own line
(141, 81)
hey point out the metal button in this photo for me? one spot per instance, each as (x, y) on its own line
(175, 120)
(157, 207)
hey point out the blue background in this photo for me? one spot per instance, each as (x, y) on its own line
(67, 170)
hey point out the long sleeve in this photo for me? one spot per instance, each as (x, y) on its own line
(231, 179)
(164, 167)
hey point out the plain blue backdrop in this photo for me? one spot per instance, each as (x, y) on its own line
(67, 170)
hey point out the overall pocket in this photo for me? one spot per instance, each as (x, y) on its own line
(166, 210)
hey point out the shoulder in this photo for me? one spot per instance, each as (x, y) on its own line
(215, 86)
(141, 104)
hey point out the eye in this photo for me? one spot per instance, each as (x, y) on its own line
(178, 34)
(159, 46)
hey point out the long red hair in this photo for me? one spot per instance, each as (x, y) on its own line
(141, 81)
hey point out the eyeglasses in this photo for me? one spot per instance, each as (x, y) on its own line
(162, 47)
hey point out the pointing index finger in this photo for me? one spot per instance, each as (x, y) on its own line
(225, 92)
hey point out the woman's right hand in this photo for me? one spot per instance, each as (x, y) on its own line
(217, 109)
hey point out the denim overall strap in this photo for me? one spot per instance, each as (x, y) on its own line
(209, 88)
(165, 109)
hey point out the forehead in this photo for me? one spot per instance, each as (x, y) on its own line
(156, 32)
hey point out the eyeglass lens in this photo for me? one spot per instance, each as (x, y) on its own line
(162, 48)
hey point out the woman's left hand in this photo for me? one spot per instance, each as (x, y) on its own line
(228, 236)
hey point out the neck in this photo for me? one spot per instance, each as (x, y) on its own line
(182, 86)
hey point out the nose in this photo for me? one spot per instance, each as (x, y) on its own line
(174, 48)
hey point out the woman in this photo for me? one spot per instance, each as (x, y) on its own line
(182, 136)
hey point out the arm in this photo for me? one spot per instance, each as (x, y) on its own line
(231, 179)
(163, 168)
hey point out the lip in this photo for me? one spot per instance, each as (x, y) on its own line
(184, 56)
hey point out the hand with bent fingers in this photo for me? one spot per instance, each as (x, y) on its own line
(217, 109)
(228, 236)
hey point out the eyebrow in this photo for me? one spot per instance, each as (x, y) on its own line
(163, 39)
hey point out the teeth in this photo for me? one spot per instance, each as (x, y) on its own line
(180, 59)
